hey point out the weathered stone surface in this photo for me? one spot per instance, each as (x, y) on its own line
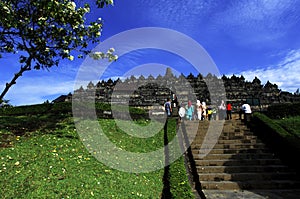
(146, 91)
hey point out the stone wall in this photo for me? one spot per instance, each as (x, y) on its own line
(151, 91)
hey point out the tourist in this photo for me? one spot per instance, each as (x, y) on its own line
(222, 110)
(204, 111)
(199, 110)
(174, 100)
(247, 112)
(181, 112)
(241, 111)
(168, 107)
(189, 110)
(228, 111)
(214, 113)
(209, 113)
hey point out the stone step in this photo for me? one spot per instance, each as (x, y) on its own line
(232, 151)
(224, 129)
(237, 162)
(240, 146)
(232, 146)
(238, 137)
(242, 169)
(218, 177)
(239, 156)
(231, 135)
(223, 139)
(250, 185)
(227, 141)
(252, 194)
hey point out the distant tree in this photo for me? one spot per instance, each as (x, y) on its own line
(297, 92)
(43, 32)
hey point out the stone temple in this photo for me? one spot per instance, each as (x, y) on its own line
(148, 91)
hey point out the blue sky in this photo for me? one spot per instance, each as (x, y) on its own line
(243, 37)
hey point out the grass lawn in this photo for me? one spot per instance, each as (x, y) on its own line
(290, 124)
(43, 157)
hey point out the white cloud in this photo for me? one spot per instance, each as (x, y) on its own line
(286, 74)
(37, 86)
(251, 22)
(42, 86)
(38, 89)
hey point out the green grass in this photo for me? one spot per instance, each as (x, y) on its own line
(290, 124)
(42, 156)
(128, 142)
(280, 140)
(55, 164)
(179, 184)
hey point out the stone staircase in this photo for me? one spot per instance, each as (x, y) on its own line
(235, 159)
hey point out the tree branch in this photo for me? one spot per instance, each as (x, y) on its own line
(13, 81)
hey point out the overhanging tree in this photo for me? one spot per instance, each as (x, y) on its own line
(43, 32)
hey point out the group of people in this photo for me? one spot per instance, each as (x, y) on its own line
(201, 111)
(225, 110)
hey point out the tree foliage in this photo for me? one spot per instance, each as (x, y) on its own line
(43, 32)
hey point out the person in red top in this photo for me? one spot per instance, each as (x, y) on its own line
(228, 111)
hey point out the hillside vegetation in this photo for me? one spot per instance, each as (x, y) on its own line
(42, 156)
(279, 128)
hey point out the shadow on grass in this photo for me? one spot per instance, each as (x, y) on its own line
(192, 164)
(24, 125)
(166, 193)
